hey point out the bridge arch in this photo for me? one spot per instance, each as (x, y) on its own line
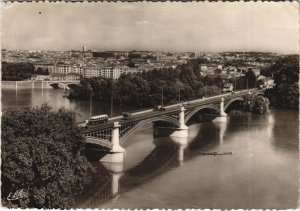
(70, 85)
(63, 85)
(227, 104)
(57, 84)
(262, 93)
(196, 110)
(147, 121)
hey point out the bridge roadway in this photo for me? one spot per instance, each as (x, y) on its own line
(149, 113)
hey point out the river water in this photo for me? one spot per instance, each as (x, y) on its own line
(262, 172)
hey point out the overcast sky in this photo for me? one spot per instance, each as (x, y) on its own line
(190, 26)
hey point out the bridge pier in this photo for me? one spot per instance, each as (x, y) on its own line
(116, 154)
(222, 112)
(223, 116)
(182, 131)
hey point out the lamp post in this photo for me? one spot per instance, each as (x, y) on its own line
(162, 96)
(234, 83)
(205, 88)
(179, 96)
(90, 89)
(111, 105)
(112, 99)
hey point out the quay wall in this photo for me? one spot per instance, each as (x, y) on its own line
(25, 85)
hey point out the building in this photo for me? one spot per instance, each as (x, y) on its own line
(41, 78)
(256, 71)
(72, 77)
(86, 55)
(108, 71)
(163, 57)
(63, 68)
(44, 66)
(265, 82)
(90, 72)
(227, 87)
(77, 69)
(57, 77)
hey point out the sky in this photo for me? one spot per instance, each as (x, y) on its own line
(192, 26)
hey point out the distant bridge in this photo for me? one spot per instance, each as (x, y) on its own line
(66, 84)
(63, 84)
(174, 117)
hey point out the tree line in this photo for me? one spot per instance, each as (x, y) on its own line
(12, 71)
(148, 88)
(20, 71)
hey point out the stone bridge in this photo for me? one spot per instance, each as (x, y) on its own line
(66, 85)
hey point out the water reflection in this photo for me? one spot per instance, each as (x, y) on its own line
(284, 136)
(207, 137)
(168, 154)
(182, 144)
(54, 97)
(222, 126)
(99, 190)
(116, 171)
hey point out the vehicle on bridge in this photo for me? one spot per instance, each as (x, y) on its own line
(159, 108)
(83, 125)
(186, 103)
(96, 120)
(126, 115)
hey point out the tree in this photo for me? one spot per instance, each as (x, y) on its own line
(131, 64)
(256, 104)
(260, 105)
(133, 90)
(285, 93)
(39, 70)
(145, 88)
(286, 70)
(43, 165)
(287, 96)
(250, 79)
(16, 71)
(42, 71)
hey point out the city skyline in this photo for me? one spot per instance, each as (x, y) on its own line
(207, 27)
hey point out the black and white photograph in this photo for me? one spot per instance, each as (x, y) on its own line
(150, 105)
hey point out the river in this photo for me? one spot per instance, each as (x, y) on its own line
(262, 172)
